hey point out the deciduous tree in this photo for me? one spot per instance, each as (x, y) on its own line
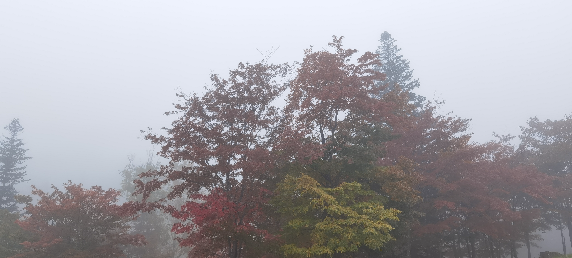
(332, 115)
(225, 139)
(331, 221)
(548, 146)
(155, 225)
(465, 206)
(11, 234)
(78, 222)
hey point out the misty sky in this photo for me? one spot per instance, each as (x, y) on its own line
(85, 76)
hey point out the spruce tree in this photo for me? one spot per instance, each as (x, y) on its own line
(396, 70)
(12, 170)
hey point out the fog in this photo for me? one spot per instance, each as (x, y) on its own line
(84, 77)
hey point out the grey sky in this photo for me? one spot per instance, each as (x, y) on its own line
(85, 76)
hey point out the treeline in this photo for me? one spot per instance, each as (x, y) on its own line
(353, 165)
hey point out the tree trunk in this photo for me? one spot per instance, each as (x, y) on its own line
(513, 253)
(455, 249)
(563, 241)
(233, 248)
(491, 247)
(527, 240)
(473, 251)
(408, 244)
(469, 253)
(568, 221)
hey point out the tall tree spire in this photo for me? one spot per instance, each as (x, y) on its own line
(396, 69)
(12, 168)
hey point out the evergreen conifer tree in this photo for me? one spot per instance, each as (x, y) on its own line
(12, 170)
(396, 70)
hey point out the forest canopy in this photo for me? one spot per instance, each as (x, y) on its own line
(354, 164)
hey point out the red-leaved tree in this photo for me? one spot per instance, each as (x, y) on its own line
(472, 193)
(225, 139)
(78, 222)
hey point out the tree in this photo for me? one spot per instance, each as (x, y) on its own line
(11, 235)
(335, 130)
(224, 137)
(421, 141)
(329, 221)
(12, 170)
(396, 70)
(331, 116)
(472, 193)
(78, 223)
(154, 225)
(546, 145)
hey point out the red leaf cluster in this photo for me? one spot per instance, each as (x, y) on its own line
(78, 222)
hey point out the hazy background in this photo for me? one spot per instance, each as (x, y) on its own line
(85, 76)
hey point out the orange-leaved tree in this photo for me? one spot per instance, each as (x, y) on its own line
(78, 222)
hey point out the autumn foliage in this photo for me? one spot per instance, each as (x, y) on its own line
(225, 137)
(329, 157)
(350, 166)
(77, 222)
(326, 221)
